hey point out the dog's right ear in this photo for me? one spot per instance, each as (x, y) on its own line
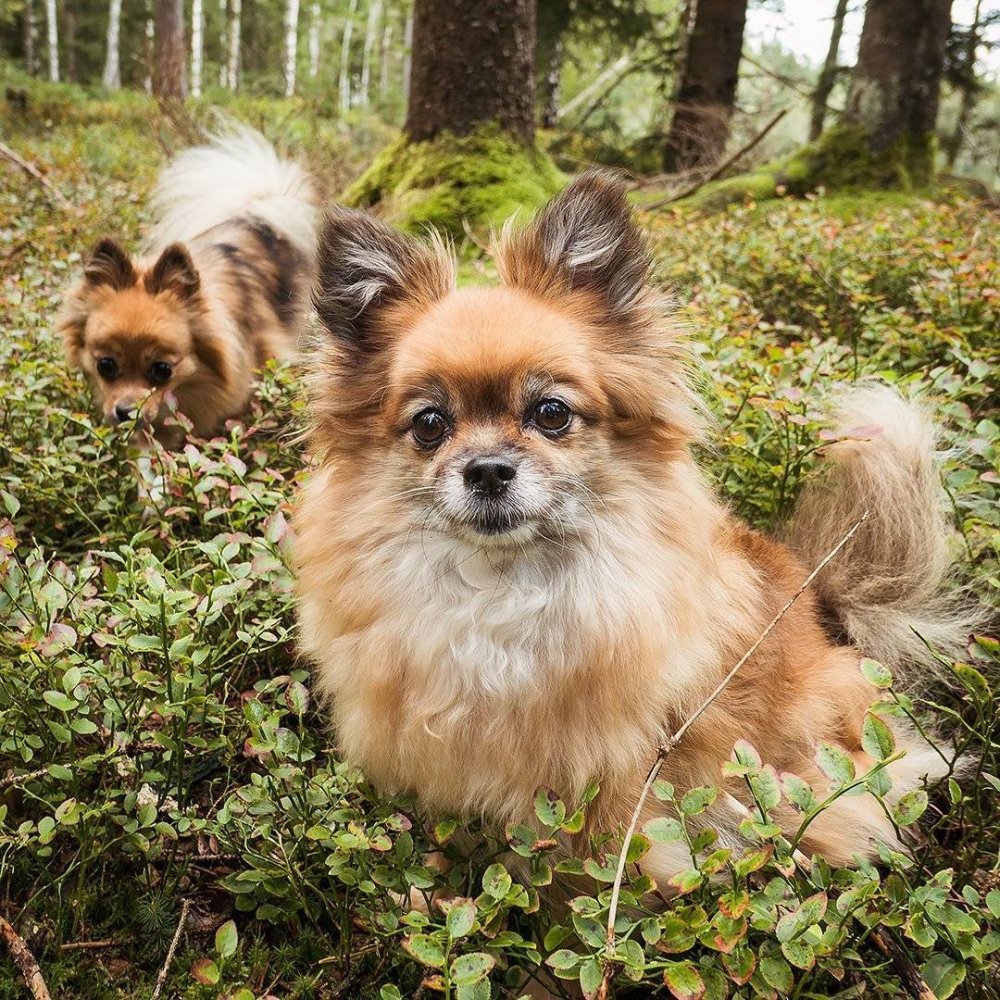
(364, 267)
(108, 264)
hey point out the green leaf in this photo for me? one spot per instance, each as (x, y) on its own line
(61, 701)
(461, 918)
(943, 974)
(425, 949)
(444, 830)
(469, 969)
(145, 643)
(496, 881)
(697, 800)
(798, 792)
(638, 847)
(663, 830)
(205, 971)
(876, 737)
(799, 953)
(548, 807)
(590, 977)
(910, 807)
(297, 698)
(684, 981)
(563, 959)
(835, 763)
(876, 674)
(765, 787)
(226, 939)
(777, 973)
(810, 911)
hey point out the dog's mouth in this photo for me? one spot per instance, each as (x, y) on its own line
(496, 524)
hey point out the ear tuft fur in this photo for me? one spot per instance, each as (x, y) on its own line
(175, 272)
(585, 239)
(109, 264)
(364, 266)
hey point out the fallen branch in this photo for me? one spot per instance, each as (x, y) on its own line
(162, 977)
(721, 168)
(24, 961)
(663, 751)
(18, 779)
(908, 972)
(33, 171)
(87, 945)
(595, 85)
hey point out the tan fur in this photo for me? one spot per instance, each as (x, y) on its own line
(473, 669)
(214, 308)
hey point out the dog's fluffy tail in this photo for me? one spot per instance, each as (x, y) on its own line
(891, 587)
(236, 175)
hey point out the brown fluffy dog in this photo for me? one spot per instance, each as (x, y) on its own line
(513, 575)
(221, 290)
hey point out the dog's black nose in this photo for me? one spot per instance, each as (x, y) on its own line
(489, 475)
(124, 411)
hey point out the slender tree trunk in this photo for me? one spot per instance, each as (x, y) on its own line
(112, 78)
(69, 42)
(197, 45)
(233, 56)
(30, 37)
(315, 28)
(896, 83)
(147, 47)
(473, 63)
(554, 17)
(408, 53)
(385, 56)
(291, 44)
(371, 34)
(52, 23)
(707, 94)
(169, 51)
(344, 83)
(224, 45)
(952, 144)
(828, 75)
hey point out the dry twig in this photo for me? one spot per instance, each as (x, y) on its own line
(24, 961)
(664, 749)
(908, 972)
(721, 168)
(162, 977)
(33, 171)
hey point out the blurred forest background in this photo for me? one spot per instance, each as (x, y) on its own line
(818, 180)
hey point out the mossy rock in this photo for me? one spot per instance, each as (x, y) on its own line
(841, 159)
(480, 179)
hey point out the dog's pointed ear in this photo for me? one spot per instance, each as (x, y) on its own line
(364, 267)
(174, 271)
(585, 239)
(109, 264)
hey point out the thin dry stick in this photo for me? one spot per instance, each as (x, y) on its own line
(87, 945)
(24, 961)
(908, 972)
(721, 168)
(162, 977)
(18, 779)
(33, 171)
(664, 749)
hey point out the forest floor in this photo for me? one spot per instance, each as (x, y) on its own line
(159, 752)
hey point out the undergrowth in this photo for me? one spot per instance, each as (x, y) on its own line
(158, 741)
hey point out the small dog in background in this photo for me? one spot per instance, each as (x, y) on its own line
(222, 288)
(513, 574)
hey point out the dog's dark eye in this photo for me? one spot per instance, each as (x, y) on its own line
(551, 415)
(160, 372)
(429, 428)
(107, 368)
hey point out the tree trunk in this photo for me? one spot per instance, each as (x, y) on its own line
(952, 143)
(896, 83)
(554, 18)
(473, 62)
(315, 28)
(197, 45)
(69, 42)
(147, 47)
(291, 44)
(233, 55)
(112, 78)
(385, 56)
(407, 53)
(169, 51)
(707, 94)
(344, 82)
(828, 75)
(371, 34)
(52, 23)
(30, 37)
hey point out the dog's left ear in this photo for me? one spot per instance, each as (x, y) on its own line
(174, 272)
(585, 239)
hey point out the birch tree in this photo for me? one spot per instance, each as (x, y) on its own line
(344, 85)
(291, 44)
(223, 45)
(371, 34)
(233, 57)
(30, 37)
(52, 22)
(315, 28)
(197, 45)
(383, 72)
(112, 71)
